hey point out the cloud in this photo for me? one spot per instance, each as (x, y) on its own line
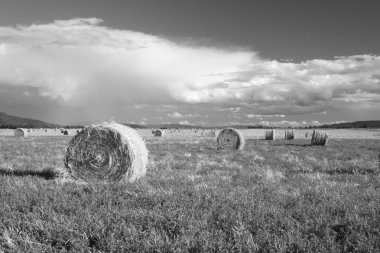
(184, 122)
(285, 123)
(175, 115)
(81, 63)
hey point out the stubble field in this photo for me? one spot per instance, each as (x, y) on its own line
(282, 196)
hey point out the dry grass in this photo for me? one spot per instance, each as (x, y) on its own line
(270, 197)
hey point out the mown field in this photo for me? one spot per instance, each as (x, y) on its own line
(282, 196)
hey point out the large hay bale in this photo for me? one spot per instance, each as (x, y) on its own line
(20, 132)
(230, 139)
(289, 134)
(319, 138)
(65, 132)
(158, 133)
(208, 134)
(270, 135)
(109, 152)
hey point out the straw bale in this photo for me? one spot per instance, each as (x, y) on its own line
(230, 139)
(270, 135)
(289, 134)
(20, 132)
(158, 133)
(319, 138)
(107, 152)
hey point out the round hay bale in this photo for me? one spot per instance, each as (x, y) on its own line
(65, 132)
(319, 138)
(109, 152)
(158, 133)
(289, 134)
(208, 134)
(230, 139)
(20, 132)
(270, 135)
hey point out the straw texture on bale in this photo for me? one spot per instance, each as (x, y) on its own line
(230, 139)
(289, 134)
(158, 133)
(319, 138)
(270, 135)
(20, 132)
(108, 152)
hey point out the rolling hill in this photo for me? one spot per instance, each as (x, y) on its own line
(356, 124)
(10, 121)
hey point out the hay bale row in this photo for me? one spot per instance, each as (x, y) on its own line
(108, 152)
(319, 138)
(230, 139)
(289, 134)
(270, 135)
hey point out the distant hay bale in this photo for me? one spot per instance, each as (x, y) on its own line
(65, 132)
(270, 135)
(230, 139)
(158, 133)
(319, 138)
(109, 152)
(20, 132)
(208, 134)
(289, 134)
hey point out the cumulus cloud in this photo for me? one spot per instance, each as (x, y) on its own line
(285, 123)
(175, 115)
(80, 62)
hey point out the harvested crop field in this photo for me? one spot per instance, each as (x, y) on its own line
(272, 196)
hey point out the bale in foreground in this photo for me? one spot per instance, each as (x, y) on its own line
(109, 152)
(20, 132)
(230, 139)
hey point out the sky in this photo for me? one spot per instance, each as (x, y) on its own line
(209, 62)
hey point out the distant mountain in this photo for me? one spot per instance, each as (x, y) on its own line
(356, 124)
(9, 121)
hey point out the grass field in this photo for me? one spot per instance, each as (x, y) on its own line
(282, 196)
